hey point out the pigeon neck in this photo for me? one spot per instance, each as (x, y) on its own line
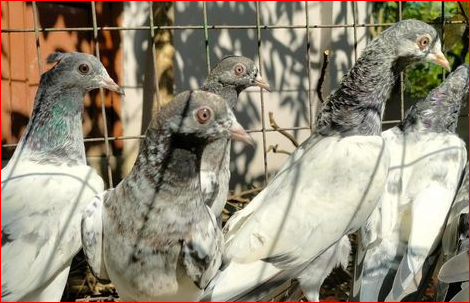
(355, 108)
(437, 113)
(54, 133)
(171, 163)
(228, 93)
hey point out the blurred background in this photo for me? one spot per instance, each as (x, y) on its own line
(157, 49)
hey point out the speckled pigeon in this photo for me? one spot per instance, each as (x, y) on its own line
(427, 160)
(330, 184)
(227, 79)
(153, 236)
(455, 249)
(47, 183)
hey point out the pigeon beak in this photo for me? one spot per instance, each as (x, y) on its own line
(108, 83)
(259, 81)
(238, 133)
(441, 60)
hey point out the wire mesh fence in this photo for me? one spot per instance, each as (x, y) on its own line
(95, 30)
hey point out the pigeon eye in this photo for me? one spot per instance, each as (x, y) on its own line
(423, 42)
(83, 68)
(203, 115)
(239, 69)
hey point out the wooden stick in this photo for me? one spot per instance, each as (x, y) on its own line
(283, 132)
(326, 55)
(276, 150)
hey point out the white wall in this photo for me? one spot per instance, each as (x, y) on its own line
(285, 64)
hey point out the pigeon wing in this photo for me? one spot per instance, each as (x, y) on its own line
(201, 255)
(92, 236)
(41, 241)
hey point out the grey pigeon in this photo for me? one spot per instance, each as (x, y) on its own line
(153, 236)
(46, 183)
(227, 79)
(455, 249)
(427, 160)
(330, 184)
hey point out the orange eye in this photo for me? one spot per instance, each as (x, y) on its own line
(84, 68)
(423, 42)
(239, 69)
(203, 115)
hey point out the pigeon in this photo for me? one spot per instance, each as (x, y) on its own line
(153, 236)
(427, 160)
(328, 186)
(227, 79)
(455, 249)
(47, 183)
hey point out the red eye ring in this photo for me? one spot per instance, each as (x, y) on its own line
(239, 69)
(203, 115)
(423, 42)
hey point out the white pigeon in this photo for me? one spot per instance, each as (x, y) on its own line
(427, 160)
(46, 183)
(329, 185)
(153, 236)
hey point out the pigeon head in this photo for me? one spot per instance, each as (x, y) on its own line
(237, 72)
(357, 105)
(79, 71)
(203, 117)
(416, 41)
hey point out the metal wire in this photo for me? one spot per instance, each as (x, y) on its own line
(206, 27)
(103, 108)
(36, 36)
(154, 57)
(443, 34)
(206, 36)
(201, 27)
(309, 96)
(263, 119)
(354, 11)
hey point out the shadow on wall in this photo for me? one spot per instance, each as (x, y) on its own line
(284, 62)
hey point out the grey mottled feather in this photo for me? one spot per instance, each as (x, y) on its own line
(215, 163)
(160, 241)
(440, 110)
(356, 106)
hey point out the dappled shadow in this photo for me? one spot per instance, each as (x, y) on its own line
(284, 59)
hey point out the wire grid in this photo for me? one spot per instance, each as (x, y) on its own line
(152, 27)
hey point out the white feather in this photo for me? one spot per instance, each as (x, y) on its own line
(92, 235)
(327, 189)
(422, 181)
(41, 211)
